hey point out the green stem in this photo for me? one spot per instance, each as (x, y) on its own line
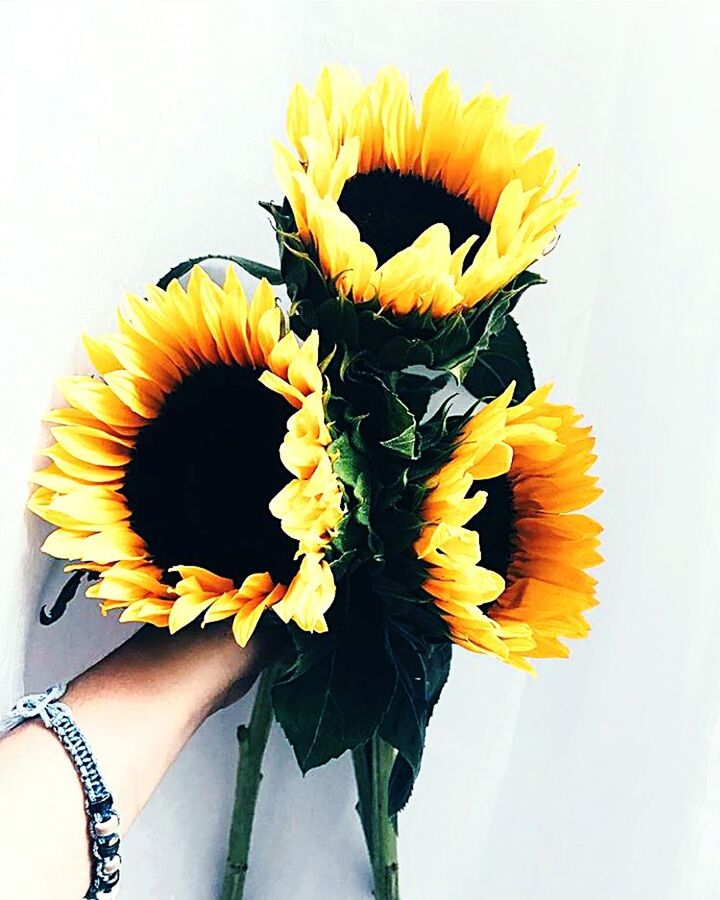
(252, 740)
(361, 764)
(373, 763)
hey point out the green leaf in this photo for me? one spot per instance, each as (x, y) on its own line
(256, 269)
(343, 563)
(505, 360)
(401, 424)
(421, 674)
(351, 467)
(336, 697)
(463, 366)
(404, 443)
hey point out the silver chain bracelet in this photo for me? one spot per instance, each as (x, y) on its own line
(103, 821)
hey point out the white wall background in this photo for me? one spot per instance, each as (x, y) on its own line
(133, 136)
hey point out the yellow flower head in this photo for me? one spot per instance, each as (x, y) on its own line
(169, 475)
(503, 543)
(431, 209)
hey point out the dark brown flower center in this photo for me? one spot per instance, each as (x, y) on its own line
(203, 472)
(392, 210)
(495, 524)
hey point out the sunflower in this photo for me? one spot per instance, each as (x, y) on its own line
(436, 211)
(509, 496)
(170, 476)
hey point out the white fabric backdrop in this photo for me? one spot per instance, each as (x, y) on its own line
(134, 136)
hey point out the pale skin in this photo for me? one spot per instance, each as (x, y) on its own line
(137, 708)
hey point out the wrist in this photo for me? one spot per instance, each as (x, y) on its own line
(157, 689)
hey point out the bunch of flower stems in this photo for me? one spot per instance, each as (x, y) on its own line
(372, 763)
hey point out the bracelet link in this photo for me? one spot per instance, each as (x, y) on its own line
(103, 820)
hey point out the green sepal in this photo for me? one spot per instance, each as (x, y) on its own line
(375, 446)
(505, 360)
(437, 438)
(405, 601)
(349, 466)
(399, 529)
(383, 419)
(256, 269)
(404, 425)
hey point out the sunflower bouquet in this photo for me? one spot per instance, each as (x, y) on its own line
(307, 471)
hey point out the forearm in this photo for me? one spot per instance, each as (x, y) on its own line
(137, 708)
